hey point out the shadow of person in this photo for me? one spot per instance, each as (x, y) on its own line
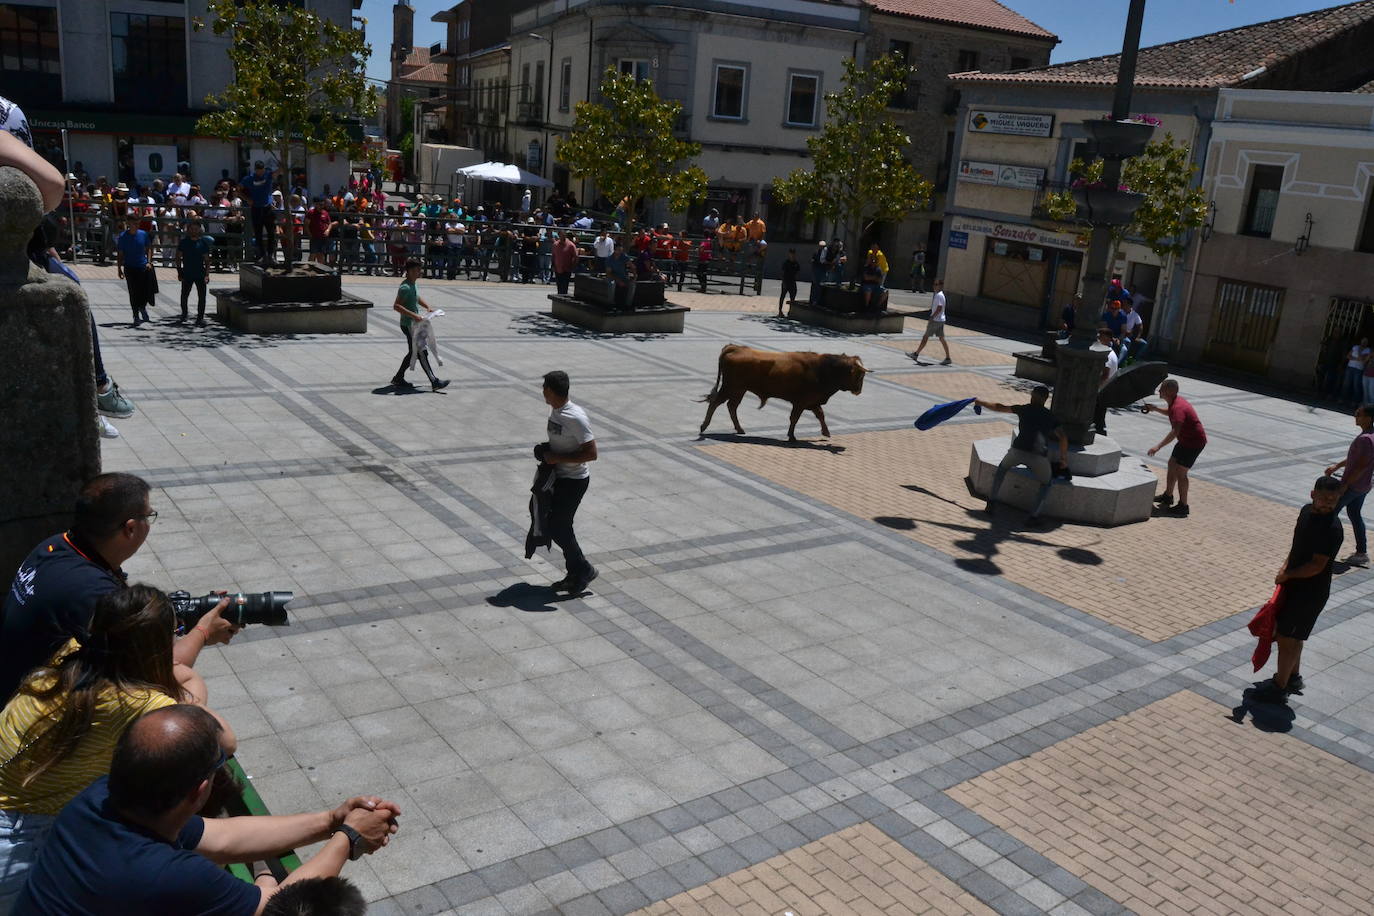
(1267, 717)
(1080, 555)
(776, 443)
(897, 522)
(525, 596)
(397, 390)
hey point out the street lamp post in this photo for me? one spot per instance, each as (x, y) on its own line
(1081, 359)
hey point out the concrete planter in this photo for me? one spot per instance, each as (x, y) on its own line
(311, 283)
(663, 319)
(648, 294)
(883, 322)
(1119, 139)
(344, 315)
(840, 298)
(1107, 206)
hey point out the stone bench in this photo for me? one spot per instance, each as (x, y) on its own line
(825, 314)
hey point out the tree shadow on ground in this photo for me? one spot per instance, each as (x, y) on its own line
(986, 542)
(1267, 717)
(525, 596)
(543, 324)
(169, 334)
(776, 443)
(788, 326)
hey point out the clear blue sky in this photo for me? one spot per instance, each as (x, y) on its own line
(1081, 34)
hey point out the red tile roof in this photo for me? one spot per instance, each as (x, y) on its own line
(1216, 60)
(417, 68)
(988, 15)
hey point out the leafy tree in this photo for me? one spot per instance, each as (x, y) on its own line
(625, 145)
(858, 172)
(1164, 174)
(296, 76)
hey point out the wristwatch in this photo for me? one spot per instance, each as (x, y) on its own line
(356, 846)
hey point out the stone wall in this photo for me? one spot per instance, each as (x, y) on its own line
(51, 443)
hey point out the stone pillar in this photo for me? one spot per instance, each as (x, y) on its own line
(51, 441)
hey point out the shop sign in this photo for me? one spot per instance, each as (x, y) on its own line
(1016, 123)
(958, 239)
(1032, 235)
(1022, 177)
(978, 172)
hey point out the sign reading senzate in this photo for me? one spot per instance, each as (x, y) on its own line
(1020, 123)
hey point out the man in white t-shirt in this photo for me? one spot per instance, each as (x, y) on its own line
(1109, 372)
(935, 327)
(571, 448)
(1133, 341)
(603, 248)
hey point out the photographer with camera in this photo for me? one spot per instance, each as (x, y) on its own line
(55, 590)
(132, 842)
(58, 733)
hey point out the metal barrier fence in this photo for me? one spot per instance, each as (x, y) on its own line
(375, 244)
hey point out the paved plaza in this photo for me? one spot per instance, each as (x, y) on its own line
(811, 679)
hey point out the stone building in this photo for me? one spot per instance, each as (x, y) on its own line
(750, 107)
(127, 79)
(938, 38)
(1283, 280)
(416, 73)
(1005, 261)
(477, 33)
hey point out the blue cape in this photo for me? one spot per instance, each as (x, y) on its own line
(942, 412)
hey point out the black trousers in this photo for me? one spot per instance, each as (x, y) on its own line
(567, 496)
(140, 285)
(405, 361)
(186, 285)
(264, 225)
(562, 280)
(789, 292)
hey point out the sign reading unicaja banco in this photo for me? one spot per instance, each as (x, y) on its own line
(1018, 123)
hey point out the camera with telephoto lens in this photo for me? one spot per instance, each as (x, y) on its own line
(267, 608)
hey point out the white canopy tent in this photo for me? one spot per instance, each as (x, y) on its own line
(504, 173)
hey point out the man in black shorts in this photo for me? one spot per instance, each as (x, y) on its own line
(1035, 427)
(1192, 439)
(1306, 581)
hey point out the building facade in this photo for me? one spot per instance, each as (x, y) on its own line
(751, 108)
(477, 32)
(937, 39)
(1284, 276)
(128, 79)
(1006, 262)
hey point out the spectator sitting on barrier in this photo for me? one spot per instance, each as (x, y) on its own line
(583, 221)
(131, 842)
(603, 248)
(725, 237)
(646, 268)
(872, 279)
(754, 231)
(621, 272)
(59, 731)
(1133, 342)
(55, 590)
(875, 252)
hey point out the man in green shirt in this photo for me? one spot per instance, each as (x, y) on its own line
(192, 251)
(408, 303)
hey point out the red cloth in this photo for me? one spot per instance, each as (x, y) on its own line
(1265, 626)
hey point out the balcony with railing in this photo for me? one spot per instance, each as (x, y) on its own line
(1043, 190)
(529, 113)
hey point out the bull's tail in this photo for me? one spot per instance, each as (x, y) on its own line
(715, 389)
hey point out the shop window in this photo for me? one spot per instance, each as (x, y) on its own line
(539, 84)
(524, 82)
(1016, 272)
(30, 67)
(728, 97)
(1263, 201)
(148, 56)
(803, 93)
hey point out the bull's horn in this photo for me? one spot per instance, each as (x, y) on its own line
(866, 369)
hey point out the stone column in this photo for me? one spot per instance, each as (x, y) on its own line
(51, 441)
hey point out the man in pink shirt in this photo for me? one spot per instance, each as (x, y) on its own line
(1184, 426)
(564, 260)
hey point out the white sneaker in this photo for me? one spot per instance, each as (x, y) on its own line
(1357, 559)
(107, 429)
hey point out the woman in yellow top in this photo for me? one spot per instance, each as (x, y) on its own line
(58, 733)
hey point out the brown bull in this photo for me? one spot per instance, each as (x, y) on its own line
(806, 380)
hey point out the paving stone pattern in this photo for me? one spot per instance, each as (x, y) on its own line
(789, 652)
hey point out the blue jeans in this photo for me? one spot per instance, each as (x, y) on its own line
(1353, 504)
(1353, 388)
(21, 839)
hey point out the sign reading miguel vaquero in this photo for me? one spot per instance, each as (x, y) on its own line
(1018, 123)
